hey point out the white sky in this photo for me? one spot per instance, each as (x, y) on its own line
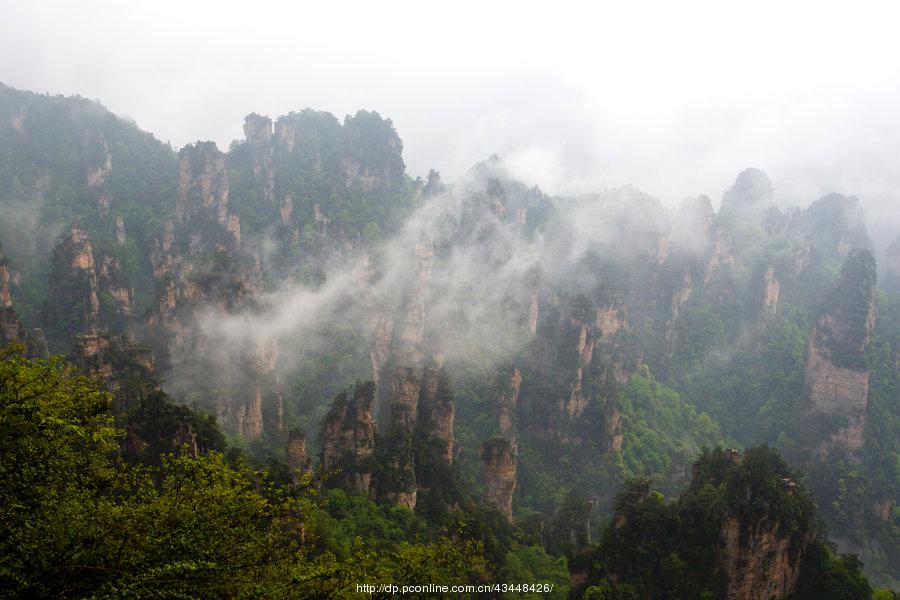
(673, 97)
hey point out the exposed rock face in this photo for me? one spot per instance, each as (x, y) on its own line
(296, 451)
(97, 175)
(372, 158)
(611, 319)
(758, 565)
(74, 279)
(614, 436)
(111, 281)
(126, 369)
(120, 230)
(506, 405)
(203, 188)
(184, 435)
(287, 210)
(580, 345)
(201, 267)
(381, 345)
(722, 256)
(258, 131)
(404, 402)
(436, 413)
(286, 132)
(584, 351)
(257, 128)
(680, 297)
(411, 334)
(771, 291)
(348, 439)
(758, 558)
(837, 379)
(78, 282)
(11, 328)
(5, 297)
(248, 419)
(500, 459)
(17, 122)
(892, 266)
(399, 446)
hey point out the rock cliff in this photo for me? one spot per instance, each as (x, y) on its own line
(5, 296)
(758, 564)
(436, 412)
(836, 375)
(348, 439)
(87, 292)
(500, 459)
(295, 451)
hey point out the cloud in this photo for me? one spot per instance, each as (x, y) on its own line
(672, 98)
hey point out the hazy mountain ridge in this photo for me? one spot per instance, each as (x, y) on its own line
(305, 258)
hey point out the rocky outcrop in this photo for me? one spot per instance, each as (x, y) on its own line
(88, 292)
(757, 557)
(500, 458)
(348, 439)
(113, 283)
(248, 417)
(286, 132)
(400, 485)
(372, 158)
(507, 400)
(125, 368)
(202, 268)
(258, 132)
(73, 284)
(836, 375)
(98, 174)
(295, 451)
(383, 330)
(203, 190)
(581, 344)
(771, 291)
(5, 296)
(721, 256)
(436, 412)
(11, 327)
(120, 230)
(760, 564)
(410, 335)
(680, 297)
(613, 434)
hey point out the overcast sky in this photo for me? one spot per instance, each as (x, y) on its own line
(673, 97)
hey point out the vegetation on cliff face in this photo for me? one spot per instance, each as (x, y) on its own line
(654, 549)
(633, 336)
(78, 521)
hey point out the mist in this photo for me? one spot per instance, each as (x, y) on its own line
(575, 99)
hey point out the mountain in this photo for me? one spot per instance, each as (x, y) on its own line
(475, 351)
